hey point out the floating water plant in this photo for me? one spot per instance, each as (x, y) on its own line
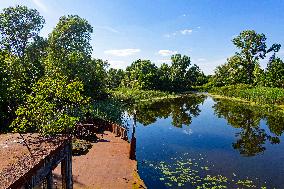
(185, 171)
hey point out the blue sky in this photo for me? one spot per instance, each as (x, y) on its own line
(126, 30)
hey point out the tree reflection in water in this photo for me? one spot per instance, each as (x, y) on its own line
(180, 109)
(251, 139)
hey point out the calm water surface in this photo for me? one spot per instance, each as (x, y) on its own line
(201, 142)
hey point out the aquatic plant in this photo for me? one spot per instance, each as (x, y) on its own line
(198, 172)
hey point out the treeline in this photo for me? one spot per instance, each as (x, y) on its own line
(49, 84)
(179, 76)
(242, 76)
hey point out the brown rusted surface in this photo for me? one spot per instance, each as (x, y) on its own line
(20, 155)
(105, 166)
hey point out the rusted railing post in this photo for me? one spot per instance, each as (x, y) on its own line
(132, 153)
(66, 169)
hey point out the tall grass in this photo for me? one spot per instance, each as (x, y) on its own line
(258, 94)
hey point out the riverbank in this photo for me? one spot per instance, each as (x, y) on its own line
(251, 103)
(106, 165)
(258, 94)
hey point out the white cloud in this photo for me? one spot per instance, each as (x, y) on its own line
(118, 64)
(198, 27)
(167, 52)
(182, 32)
(122, 52)
(186, 31)
(40, 5)
(108, 28)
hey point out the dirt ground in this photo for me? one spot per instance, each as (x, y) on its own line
(20, 153)
(105, 166)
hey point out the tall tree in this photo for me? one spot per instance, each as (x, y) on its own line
(179, 68)
(141, 74)
(18, 26)
(70, 53)
(164, 74)
(252, 48)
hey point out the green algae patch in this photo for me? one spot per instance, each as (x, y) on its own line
(188, 172)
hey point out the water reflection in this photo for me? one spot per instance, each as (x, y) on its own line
(181, 110)
(207, 153)
(252, 138)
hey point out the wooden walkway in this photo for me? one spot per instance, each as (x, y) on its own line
(105, 166)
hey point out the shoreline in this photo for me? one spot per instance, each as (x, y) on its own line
(251, 103)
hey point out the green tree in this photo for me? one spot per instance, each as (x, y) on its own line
(274, 74)
(195, 77)
(252, 48)
(95, 78)
(54, 106)
(114, 78)
(18, 26)
(230, 73)
(179, 68)
(141, 74)
(164, 80)
(70, 52)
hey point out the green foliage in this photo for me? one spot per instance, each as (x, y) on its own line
(230, 73)
(55, 105)
(177, 77)
(274, 74)
(132, 95)
(44, 83)
(18, 25)
(70, 52)
(71, 34)
(141, 74)
(179, 71)
(244, 67)
(20, 57)
(13, 85)
(252, 48)
(114, 78)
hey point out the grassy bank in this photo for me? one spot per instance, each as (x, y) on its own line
(136, 95)
(257, 95)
